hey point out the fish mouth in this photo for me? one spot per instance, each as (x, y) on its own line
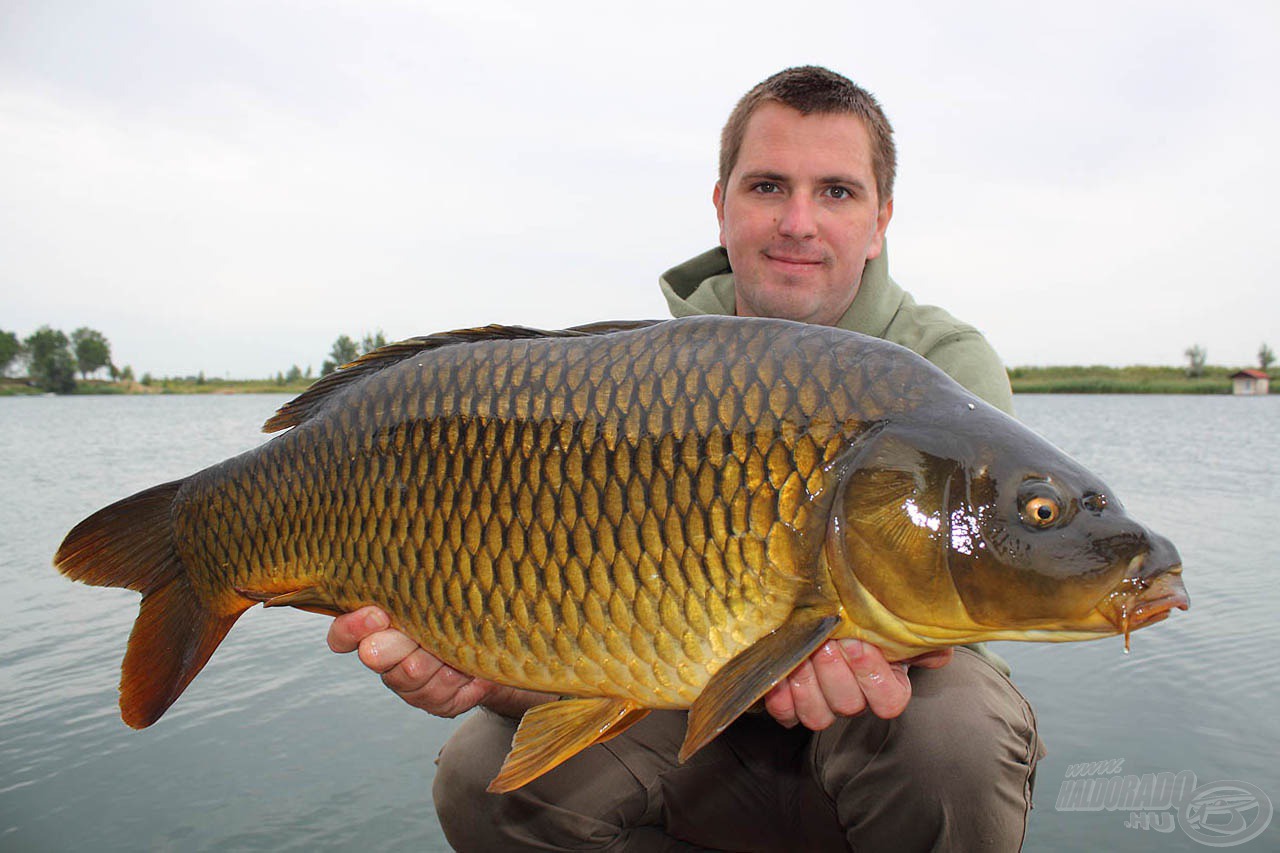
(1137, 601)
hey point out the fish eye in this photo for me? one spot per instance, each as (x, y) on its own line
(1041, 511)
(1039, 504)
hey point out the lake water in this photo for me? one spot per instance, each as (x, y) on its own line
(280, 745)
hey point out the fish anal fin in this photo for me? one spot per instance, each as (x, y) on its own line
(553, 733)
(737, 685)
(307, 598)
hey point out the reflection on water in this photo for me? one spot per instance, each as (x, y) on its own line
(281, 745)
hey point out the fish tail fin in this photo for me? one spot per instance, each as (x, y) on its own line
(130, 544)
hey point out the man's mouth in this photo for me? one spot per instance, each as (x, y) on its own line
(793, 260)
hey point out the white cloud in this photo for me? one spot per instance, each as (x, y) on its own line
(228, 187)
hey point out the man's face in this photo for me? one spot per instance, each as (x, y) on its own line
(800, 216)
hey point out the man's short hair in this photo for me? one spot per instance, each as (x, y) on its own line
(813, 89)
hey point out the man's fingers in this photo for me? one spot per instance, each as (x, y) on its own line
(384, 650)
(811, 705)
(885, 686)
(780, 705)
(346, 631)
(413, 672)
(447, 692)
(840, 687)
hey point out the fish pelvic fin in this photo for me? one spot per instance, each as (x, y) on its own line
(553, 733)
(741, 682)
(129, 544)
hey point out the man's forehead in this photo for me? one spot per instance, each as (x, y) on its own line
(779, 139)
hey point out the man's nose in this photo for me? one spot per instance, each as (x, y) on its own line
(799, 218)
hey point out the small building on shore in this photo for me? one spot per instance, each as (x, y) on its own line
(1250, 381)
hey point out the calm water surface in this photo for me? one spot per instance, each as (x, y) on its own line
(280, 745)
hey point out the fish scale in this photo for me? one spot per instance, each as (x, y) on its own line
(528, 492)
(638, 515)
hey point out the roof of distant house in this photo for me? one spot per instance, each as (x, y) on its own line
(1250, 372)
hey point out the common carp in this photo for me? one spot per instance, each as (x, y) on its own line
(635, 516)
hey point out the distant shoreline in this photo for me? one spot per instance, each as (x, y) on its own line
(1097, 379)
(1135, 379)
(19, 387)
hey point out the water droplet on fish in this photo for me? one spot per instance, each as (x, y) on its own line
(972, 407)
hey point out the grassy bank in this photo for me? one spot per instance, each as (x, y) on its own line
(1100, 379)
(185, 385)
(1097, 379)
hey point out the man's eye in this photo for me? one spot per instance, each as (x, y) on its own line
(766, 187)
(839, 192)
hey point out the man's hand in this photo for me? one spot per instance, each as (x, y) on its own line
(416, 675)
(843, 678)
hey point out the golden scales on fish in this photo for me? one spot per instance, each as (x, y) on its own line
(636, 515)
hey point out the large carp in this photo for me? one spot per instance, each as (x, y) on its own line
(638, 515)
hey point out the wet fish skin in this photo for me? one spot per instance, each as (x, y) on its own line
(663, 516)
(594, 515)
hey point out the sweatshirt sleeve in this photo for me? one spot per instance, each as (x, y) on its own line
(967, 358)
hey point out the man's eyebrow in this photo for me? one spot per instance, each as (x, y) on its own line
(826, 180)
(831, 180)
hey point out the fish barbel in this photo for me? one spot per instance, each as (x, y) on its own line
(633, 515)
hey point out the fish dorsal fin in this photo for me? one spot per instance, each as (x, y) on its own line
(305, 404)
(738, 684)
(553, 733)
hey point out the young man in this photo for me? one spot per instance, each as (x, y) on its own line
(945, 757)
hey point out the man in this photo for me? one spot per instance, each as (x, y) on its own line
(944, 758)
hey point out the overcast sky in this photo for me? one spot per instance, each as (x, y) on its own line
(228, 187)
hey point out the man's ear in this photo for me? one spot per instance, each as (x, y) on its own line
(882, 223)
(717, 198)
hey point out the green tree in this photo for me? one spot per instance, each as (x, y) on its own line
(10, 351)
(294, 374)
(93, 351)
(126, 373)
(1196, 356)
(1266, 357)
(52, 366)
(372, 341)
(345, 350)
(342, 351)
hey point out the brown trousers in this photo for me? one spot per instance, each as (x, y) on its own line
(954, 772)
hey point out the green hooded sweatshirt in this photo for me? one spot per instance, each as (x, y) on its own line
(882, 309)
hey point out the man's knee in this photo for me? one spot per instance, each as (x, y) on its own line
(589, 802)
(466, 764)
(970, 716)
(963, 752)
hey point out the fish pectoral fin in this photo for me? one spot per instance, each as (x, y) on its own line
(555, 732)
(742, 681)
(308, 598)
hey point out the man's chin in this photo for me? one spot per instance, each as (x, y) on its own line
(791, 300)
